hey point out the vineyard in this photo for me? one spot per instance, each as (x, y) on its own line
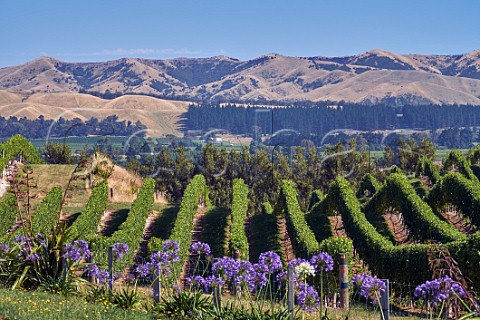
(356, 221)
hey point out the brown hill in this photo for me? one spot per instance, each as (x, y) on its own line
(371, 77)
(160, 116)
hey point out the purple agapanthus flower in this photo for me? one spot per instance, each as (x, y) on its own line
(143, 269)
(77, 250)
(119, 250)
(370, 287)
(102, 276)
(92, 270)
(196, 282)
(213, 281)
(170, 246)
(33, 257)
(271, 261)
(4, 248)
(438, 290)
(308, 298)
(225, 268)
(322, 261)
(200, 248)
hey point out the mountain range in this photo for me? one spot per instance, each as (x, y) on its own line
(372, 77)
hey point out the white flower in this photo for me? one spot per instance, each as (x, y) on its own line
(304, 270)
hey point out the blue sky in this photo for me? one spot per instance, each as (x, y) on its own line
(105, 30)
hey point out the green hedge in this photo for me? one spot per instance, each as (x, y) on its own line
(464, 193)
(182, 230)
(303, 239)
(317, 196)
(426, 167)
(8, 213)
(418, 216)
(238, 236)
(131, 231)
(85, 227)
(45, 217)
(369, 185)
(456, 158)
(408, 264)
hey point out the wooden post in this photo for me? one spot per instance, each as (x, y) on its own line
(111, 194)
(217, 300)
(236, 256)
(110, 269)
(343, 275)
(291, 292)
(91, 278)
(157, 287)
(64, 264)
(385, 301)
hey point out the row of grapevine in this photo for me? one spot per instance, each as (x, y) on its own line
(400, 263)
(47, 213)
(85, 226)
(238, 236)
(418, 215)
(464, 193)
(182, 230)
(8, 213)
(426, 167)
(303, 239)
(131, 231)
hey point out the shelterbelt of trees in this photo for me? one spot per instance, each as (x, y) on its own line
(315, 120)
(41, 127)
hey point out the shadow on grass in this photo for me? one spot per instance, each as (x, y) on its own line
(114, 223)
(163, 225)
(214, 230)
(264, 235)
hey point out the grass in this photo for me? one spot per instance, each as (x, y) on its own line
(79, 143)
(163, 224)
(33, 305)
(264, 235)
(214, 230)
(46, 176)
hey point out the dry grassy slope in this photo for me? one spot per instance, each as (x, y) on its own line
(431, 78)
(161, 116)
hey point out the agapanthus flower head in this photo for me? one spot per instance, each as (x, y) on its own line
(33, 257)
(102, 276)
(92, 270)
(214, 281)
(119, 250)
(304, 270)
(164, 258)
(244, 267)
(370, 287)
(19, 239)
(143, 269)
(271, 260)
(225, 268)
(77, 250)
(322, 261)
(438, 290)
(130, 278)
(200, 248)
(170, 246)
(296, 262)
(308, 298)
(4, 248)
(195, 282)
